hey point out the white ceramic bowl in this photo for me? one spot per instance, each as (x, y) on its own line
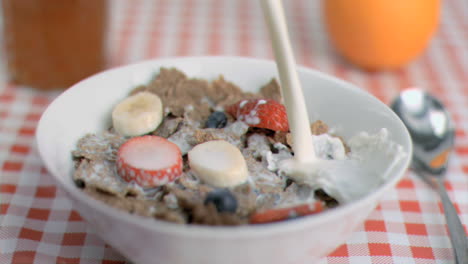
(86, 107)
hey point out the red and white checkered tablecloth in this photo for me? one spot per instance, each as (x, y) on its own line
(38, 224)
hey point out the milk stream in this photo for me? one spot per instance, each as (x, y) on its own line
(305, 167)
(290, 85)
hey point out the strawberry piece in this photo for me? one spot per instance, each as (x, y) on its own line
(262, 113)
(280, 214)
(149, 161)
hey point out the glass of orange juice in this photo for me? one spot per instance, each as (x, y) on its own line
(51, 44)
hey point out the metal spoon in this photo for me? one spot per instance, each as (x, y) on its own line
(433, 134)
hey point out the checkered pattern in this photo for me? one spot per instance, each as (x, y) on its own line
(38, 224)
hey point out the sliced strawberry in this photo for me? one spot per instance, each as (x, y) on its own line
(262, 113)
(280, 214)
(149, 161)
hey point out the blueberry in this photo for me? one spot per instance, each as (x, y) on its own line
(80, 183)
(223, 200)
(216, 120)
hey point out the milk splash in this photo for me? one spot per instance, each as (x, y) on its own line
(347, 178)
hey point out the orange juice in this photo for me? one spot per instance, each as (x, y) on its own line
(51, 44)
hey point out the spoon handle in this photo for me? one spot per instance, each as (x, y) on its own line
(457, 233)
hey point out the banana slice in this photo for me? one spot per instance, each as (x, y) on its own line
(218, 163)
(138, 114)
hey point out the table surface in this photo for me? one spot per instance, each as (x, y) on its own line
(39, 225)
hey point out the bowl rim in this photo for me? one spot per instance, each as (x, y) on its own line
(243, 231)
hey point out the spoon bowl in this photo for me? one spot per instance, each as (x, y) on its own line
(433, 134)
(431, 129)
